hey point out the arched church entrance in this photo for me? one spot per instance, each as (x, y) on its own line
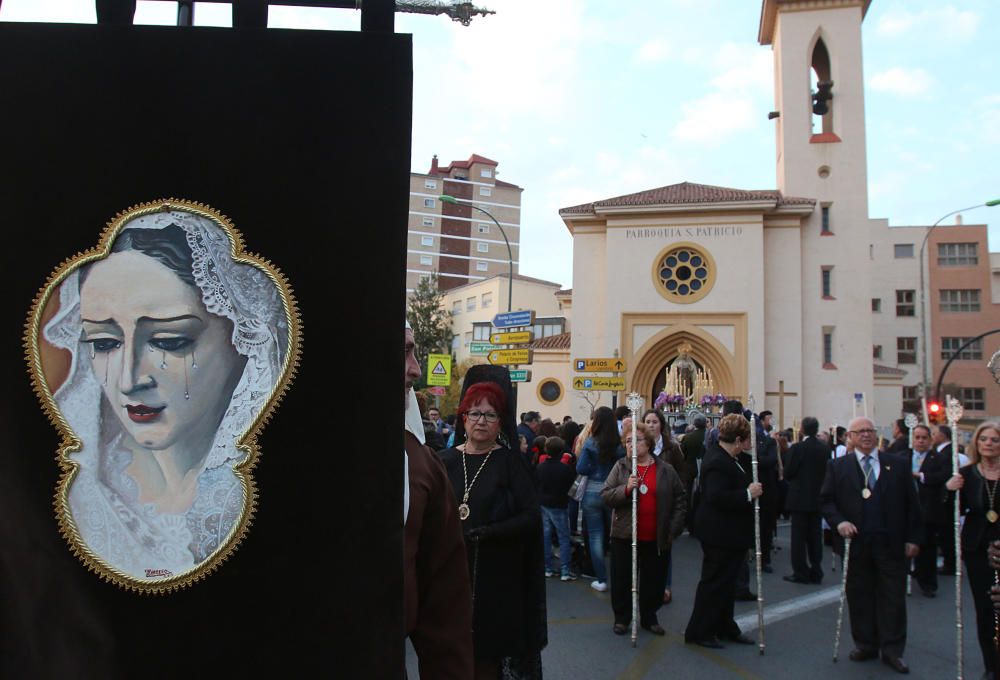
(706, 355)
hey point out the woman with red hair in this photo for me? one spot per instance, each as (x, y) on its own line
(501, 520)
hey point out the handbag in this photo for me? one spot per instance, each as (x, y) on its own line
(578, 488)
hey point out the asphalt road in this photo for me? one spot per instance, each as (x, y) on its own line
(798, 633)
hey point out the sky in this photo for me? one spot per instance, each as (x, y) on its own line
(583, 100)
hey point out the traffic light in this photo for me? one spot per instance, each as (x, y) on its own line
(935, 414)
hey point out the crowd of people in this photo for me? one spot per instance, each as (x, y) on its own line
(541, 499)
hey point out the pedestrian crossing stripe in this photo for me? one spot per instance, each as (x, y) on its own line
(440, 369)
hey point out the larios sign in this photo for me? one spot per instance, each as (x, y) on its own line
(683, 232)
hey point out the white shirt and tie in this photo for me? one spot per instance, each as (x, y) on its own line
(876, 467)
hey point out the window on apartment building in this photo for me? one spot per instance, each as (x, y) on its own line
(876, 351)
(911, 392)
(485, 191)
(960, 300)
(973, 352)
(827, 274)
(481, 331)
(430, 184)
(429, 203)
(828, 347)
(482, 247)
(427, 221)
(483, 228)
(487, 300)
(482, 266)
(456, 342)
(468, 338)
(824, 213)
(426, 240)
(548, 326)
(470, 304)
(973, 398)
(902, 251)
(876, 304)
(456, 307)
(904, 303)
(906, 350)
(486, 172)
(426, 260)
(958, 254)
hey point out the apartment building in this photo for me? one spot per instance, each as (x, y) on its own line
(962, 301)
(457, 240)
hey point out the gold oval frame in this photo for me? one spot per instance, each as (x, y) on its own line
(706, 287)
(562, 391)
(246, 442)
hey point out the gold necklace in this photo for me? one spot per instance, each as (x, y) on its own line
(643, 489)
(463, 508)
(991, 492)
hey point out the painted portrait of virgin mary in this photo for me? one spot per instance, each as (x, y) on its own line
(175, 349)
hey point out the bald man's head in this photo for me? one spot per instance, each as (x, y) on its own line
(861, 433)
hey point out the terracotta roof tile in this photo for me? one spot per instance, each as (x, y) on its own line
(560, 341)
(687, 193)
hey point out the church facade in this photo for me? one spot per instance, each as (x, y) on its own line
(770, 289)
(793, 294)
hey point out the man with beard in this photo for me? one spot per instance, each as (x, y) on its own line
(438, 597)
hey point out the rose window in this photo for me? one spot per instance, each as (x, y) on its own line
(684, 273)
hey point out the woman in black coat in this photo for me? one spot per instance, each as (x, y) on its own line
(978, 483)
(724, 525)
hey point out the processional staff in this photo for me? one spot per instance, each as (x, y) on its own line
(911, 421)
(953, 410)
(756, 527)
(634, 403)
(843, 596)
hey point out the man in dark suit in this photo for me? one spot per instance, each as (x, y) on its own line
(941, 443)
(930, 471)
(900, 438)
(870, 498)
(805, 470)
(767, 472)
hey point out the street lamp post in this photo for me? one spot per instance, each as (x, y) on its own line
(923, 304)
(445, 198)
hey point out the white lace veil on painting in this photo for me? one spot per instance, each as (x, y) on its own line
(125, 533)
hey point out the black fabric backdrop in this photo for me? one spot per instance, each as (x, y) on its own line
(303, 139)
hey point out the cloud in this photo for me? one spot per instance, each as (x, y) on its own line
(906, 82)
(947, 21)
(744, 68)
(742, 77)
(713, 117)
(652, 51)
(890, 184)
(989, 117)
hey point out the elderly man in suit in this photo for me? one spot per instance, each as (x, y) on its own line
(805, 470)
(870, 497)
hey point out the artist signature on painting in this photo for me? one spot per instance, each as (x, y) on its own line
(159, 573)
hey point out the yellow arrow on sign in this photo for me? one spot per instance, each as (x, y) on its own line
(613, 364)
(510, 356)
(515, 338)
(594, 382)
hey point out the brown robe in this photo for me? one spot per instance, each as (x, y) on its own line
(438, 597)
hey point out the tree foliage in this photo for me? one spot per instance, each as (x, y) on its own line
(430, 321)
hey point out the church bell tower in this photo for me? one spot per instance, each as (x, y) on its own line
(820, 131)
